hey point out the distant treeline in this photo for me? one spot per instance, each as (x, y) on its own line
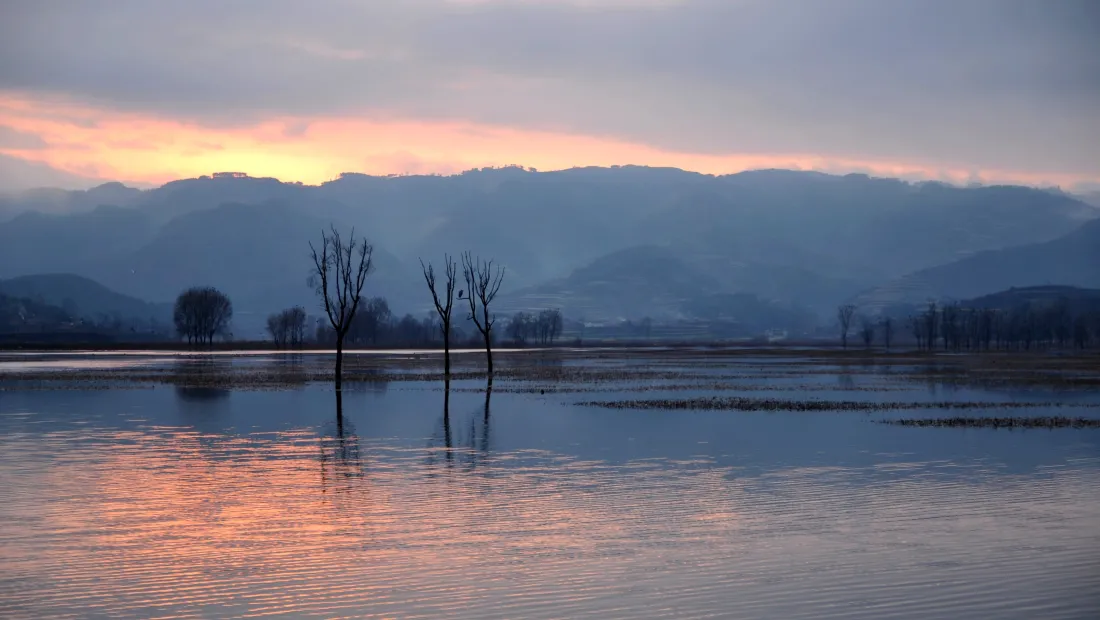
(375, 325)
(1029, 326)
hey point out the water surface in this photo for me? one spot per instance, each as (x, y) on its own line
(170, 501)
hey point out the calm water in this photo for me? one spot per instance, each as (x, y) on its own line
(170, 502)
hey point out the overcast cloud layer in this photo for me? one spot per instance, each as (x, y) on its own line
(1000, 84)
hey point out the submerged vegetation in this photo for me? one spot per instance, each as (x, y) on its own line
(1002, 422)
(734, 403)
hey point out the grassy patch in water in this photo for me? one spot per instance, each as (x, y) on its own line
(772, 404)
(1004, 422)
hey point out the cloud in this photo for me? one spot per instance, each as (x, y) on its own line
(17, 174)
(152, 149)
(19, 140)
(981, 84)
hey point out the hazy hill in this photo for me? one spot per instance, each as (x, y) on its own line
(800, 238)
(34, 242)
(631, 283)
(21, 314)
(257, 254)
(64, 202)
(186, 196)
(1071, 260)
(1077, 299)
(1091, 198)
(860, 227)
(675, 282)
(753, 314)
(82, 297)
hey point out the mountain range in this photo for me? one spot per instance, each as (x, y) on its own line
(1076, 300)
(84, 298)
(1070, 260)
(605, 243)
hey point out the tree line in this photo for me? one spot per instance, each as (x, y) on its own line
(375, 326)
(1029, 326)
(956, 327)
(287, 328)
(542, 328)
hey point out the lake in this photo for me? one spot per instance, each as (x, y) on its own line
(184, 486)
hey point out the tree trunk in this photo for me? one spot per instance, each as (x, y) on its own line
(447, 416)
(447, 353)
(447, 405)
(339, 414)
(339, 360)
(489, 352)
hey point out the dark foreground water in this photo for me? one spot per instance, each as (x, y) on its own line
(172, 502)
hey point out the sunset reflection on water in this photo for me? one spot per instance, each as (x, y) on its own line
(154, 520)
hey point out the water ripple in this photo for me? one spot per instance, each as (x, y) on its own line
(162, 521)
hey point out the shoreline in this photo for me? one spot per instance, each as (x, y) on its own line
(550, 368)
(702, 347)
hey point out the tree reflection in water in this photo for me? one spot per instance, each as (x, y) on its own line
(191, 394)
(341, 464)
(473, 446)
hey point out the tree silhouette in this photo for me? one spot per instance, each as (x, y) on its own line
(287, 328)
(887, 331)
(867, 332)
(340, 270)
(483, 280)
(201, 313)
(844, 316)
(443, 305)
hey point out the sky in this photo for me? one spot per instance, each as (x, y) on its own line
(146, 92)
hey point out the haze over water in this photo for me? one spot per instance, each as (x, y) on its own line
(192, 502)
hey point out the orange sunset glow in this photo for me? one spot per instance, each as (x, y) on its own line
(142, 148)
(216, 503)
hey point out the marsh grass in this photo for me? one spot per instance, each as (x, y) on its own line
(772, 404)
(1049, 422)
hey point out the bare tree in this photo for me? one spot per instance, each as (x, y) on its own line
(287, 328)
(201, 313)
(867, 332)
(887, 331)
(550, 325)
(372, 319)
(443, 305)
(930, 315)
(340, 270)
(1081, 332)
(296, 325)
(949, 326)
(844, 316)
(276, 328)
(520, 326)
(483, 281)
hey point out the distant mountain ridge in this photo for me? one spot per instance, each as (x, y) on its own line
(1071, 260)
(1090, 198)
(82, 297)
(66, 202)
(1077, 299)
(664, 239)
